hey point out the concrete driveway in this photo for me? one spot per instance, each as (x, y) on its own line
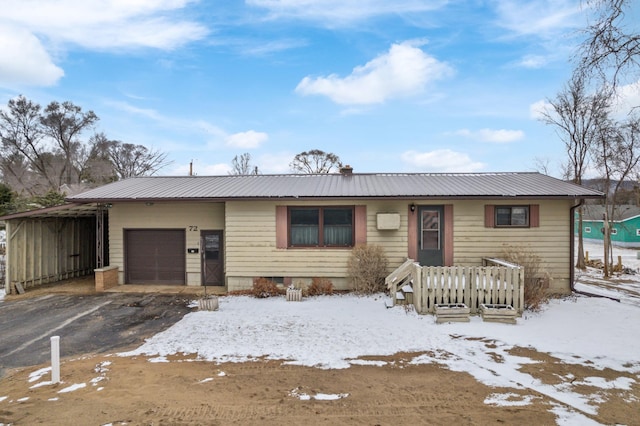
(85, 323)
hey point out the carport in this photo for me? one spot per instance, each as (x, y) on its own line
(54, 244)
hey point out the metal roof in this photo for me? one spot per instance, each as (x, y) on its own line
(336, 186)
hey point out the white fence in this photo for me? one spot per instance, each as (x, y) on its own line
(427, 286)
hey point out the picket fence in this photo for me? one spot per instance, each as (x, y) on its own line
(496, 282)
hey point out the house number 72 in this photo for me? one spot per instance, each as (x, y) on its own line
(193, 228)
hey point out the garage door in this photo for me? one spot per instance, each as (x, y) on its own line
(155, 256)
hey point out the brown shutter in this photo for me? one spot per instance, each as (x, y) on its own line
(534, 215)
(489, 216)
(282, 227)
(360, 224)
(448, 235)
(412, 234)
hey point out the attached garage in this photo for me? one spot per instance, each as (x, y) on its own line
(155, 256)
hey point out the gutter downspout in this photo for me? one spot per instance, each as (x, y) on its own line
(572, 244)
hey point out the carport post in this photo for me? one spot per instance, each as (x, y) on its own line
(55, 359)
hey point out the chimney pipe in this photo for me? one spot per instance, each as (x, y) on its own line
(346, 170)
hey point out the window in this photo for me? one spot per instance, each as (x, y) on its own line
(587, 229)
(512, 216)
(321, 226)
(430, 230)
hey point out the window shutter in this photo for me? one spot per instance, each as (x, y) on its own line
(412, 234)
(534, 216)
(489, 216)
(282, 227)
(360, 225)
(448, 235)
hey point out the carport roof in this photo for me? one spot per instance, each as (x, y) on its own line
(336, 186)
(64, 210)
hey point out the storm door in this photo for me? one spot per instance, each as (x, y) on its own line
(430, 241)
(212, 258)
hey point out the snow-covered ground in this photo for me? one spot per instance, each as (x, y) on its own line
(334, 332)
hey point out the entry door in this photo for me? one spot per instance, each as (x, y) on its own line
(430, 242)
(212, 258)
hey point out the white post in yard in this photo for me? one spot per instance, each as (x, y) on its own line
(55, 359)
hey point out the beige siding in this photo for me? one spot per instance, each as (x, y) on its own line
(472, 241)
(251, 245)
(250, 237)
(251, 241)
(192, 217)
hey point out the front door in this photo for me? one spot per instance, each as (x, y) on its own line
(430, 225)
(212, 258)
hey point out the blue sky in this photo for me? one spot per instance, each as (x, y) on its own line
(389, 86)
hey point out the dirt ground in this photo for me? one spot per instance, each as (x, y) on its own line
(134, 391)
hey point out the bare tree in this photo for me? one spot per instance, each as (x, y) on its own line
(64, 123)
(129, 160)
(315, 161)
(616, 156)
(610, 49)
(242, 165)
(577, 117)
(42, 150)
(23, 148)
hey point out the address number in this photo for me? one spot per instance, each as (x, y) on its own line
(193, 228)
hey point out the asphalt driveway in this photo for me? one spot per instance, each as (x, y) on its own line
(85, 323)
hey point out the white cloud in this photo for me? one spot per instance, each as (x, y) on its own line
(533, 61)
(106, 23)
(248, 140)
(628, 98)
(199, 169)
(274, 163)
(30, 27)
(491, 135)
(540, 18)
(441, 160)
(538, 109)
(404, 70)
(343, 12)
(23, 60)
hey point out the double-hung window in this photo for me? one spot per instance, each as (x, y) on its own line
(321, 226)
(512, 216)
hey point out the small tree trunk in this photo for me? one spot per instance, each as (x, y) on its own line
(580, 263)
(606, 238)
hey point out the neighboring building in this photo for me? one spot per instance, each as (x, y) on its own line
(625, 225)
(228, 230)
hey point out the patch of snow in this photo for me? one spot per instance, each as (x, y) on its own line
(208, 379)
(508, 399)
(2, 398)
(302, 396)
(222, 374)
(26, 398)
(367, 362)
(38, 374)
(53, 399)
(568, 417)
(37, 385)
(73, 387)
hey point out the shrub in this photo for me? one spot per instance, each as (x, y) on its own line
(536, 279)
(319, 287)
(264, 287)
(367, 268)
